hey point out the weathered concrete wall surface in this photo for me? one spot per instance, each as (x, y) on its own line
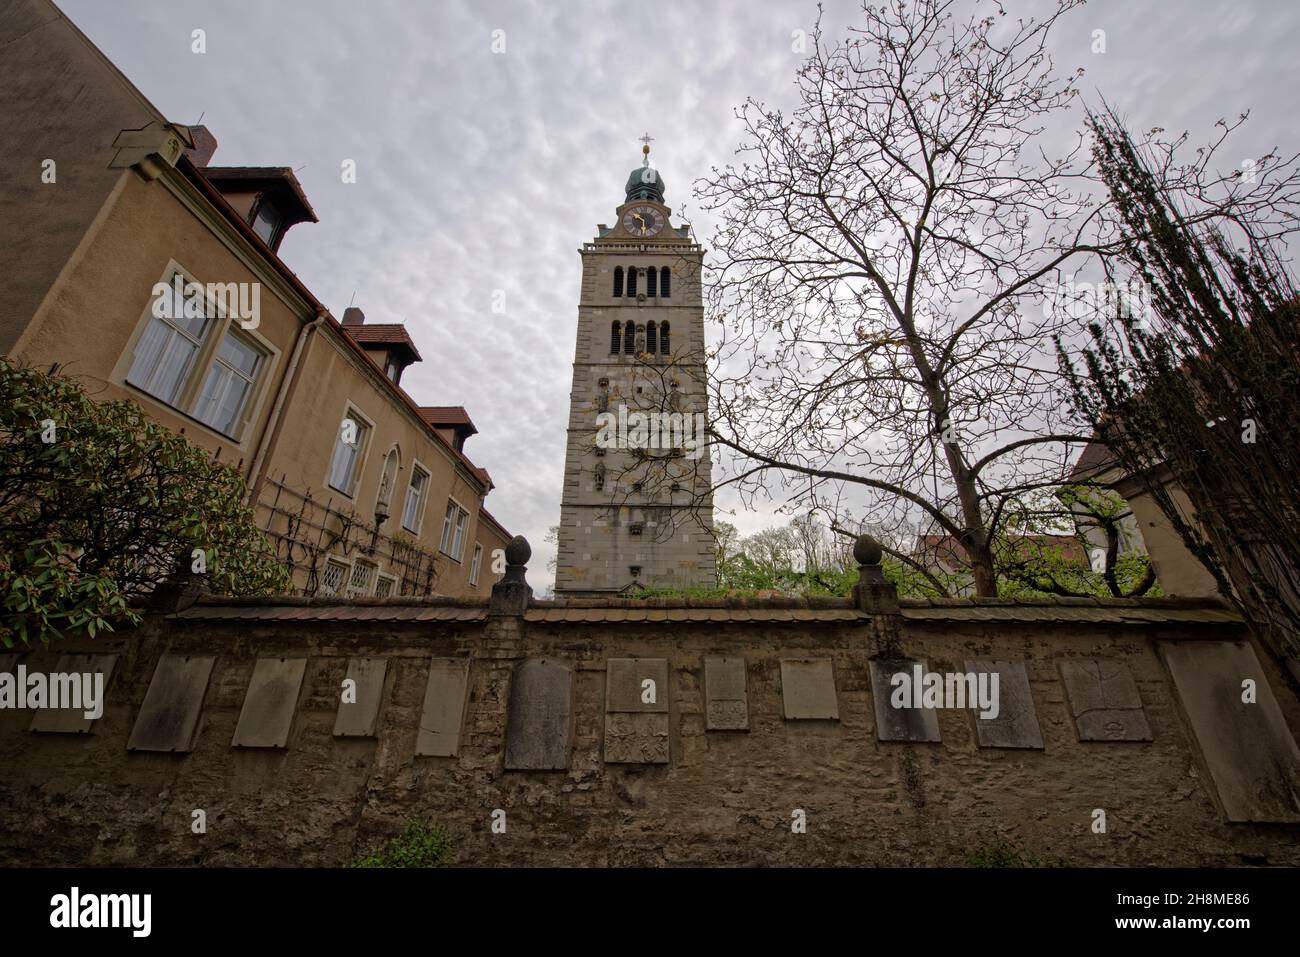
(723, 797)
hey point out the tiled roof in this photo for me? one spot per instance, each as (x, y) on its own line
(946, 548)
(447, 416)
(280, 177)
(383, 334)
(1122, 611)
(1104, 610)
(336, 609)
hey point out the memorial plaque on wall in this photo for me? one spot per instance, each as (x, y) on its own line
(76, 668)
(169, 715)
(808, 689)
(1243, 737)
(270, 703)
(1016, 725)
(726, 698)
(1104, 700)
(911, 722)
(358, 718)
(539, 724)
(636, 711)
(444, 707)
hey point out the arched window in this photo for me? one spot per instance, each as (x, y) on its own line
(631, 281)
(651, 342)
(664, 282)
(613, 335)
(629, 337)
(663, 338)
(651, 275)
(618, 281)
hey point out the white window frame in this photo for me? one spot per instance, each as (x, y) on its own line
(386, 577)
(346, 572)
(351, 589)
(452, 543)
(217, 326)
(350, 411)
(476, 564)
(234, 373)
(417, 468)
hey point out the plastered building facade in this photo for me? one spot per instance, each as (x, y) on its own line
(362, 490)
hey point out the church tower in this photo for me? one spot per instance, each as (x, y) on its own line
(637, 508)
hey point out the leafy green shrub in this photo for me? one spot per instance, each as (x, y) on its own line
(98, 504)
(421, 844)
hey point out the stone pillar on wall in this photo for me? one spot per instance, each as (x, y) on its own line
(511, 594)
(874, 595)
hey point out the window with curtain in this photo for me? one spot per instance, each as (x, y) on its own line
(453, 531)
(346, 463)
(414, 499)
(166, 351)
(229, 385)
(199, 364)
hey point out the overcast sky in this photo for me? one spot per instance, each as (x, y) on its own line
(481, 170)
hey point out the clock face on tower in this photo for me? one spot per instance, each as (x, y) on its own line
(643, 221)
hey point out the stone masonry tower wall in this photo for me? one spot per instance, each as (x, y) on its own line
(637, 506)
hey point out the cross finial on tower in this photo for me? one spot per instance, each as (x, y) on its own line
(647, 139)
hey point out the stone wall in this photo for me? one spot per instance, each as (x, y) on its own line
(723, 797)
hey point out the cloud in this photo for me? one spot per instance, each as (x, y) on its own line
(480, 171)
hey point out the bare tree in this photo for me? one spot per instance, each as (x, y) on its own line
(885, 251)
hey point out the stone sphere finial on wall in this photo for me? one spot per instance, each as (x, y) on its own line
(867, 551)
(518, 551)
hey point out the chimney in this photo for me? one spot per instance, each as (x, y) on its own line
(352, 316)
(205, 144)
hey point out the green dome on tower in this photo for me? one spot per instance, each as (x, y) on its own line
(644, 182)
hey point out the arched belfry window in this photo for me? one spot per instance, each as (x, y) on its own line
(631, 280)
(618, 281)
(629, 337)
(651, 339)
(651, 286)
(664, 282)
(663, 338)
(613, 335)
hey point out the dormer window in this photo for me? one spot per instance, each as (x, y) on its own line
(393, 371)
(267, 223)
